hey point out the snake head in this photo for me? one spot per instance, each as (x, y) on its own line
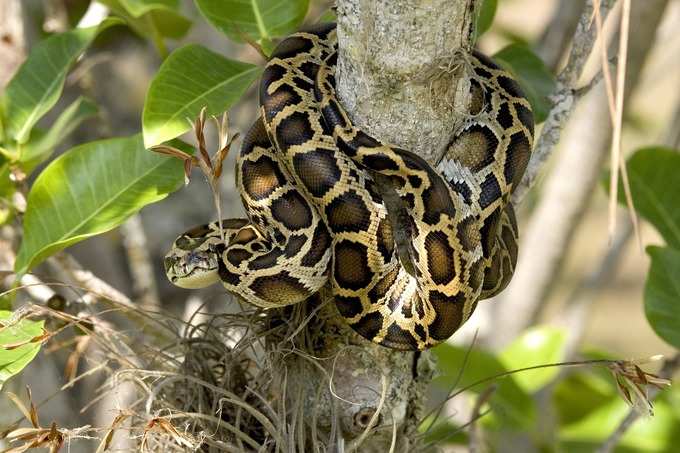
(193, 261)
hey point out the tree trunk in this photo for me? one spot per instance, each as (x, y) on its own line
(397, 80)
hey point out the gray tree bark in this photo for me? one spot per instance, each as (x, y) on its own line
(398, 81)
(397, 76)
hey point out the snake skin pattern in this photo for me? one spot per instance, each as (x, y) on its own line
(306, 178)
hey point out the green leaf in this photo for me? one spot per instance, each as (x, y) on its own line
(654, 175)
(583, 392)
(328, 16)
(39, 149)
(534, 77)
(38, 83)
(76, 10)
(536, 346)
(662, 294)
(170, 23)
(511, 405)
(652, 434)
(15, 359)
(152, 19)
(485, 18)
(443, 432)
(191, 78)
(7, 187)
(138, 8)
(259, 20)
(89, 190)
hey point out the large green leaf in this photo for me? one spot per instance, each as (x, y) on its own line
(259, 20)
(512, 406)
(19, 344)
(38, 83)
(662, 294)
(536, 346)
(191, 78)
(654, 175)
(91, 189)
(39, 148)
(534, 77)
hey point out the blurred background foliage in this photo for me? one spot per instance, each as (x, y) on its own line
(79, 113)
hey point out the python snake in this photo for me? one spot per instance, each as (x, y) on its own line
(306, 177)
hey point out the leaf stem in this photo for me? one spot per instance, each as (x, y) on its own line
(156, 37)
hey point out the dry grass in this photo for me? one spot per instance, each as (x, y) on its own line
(231, 383)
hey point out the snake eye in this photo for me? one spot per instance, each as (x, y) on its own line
(183, 243)
(169, 262)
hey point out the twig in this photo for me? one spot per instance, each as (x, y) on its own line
(608, 84)
(563, 97)
(669, 367)
(617, 162)
(136, 249)
(86, 279)
(99, 289)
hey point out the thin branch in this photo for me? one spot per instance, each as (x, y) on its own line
(617, 162)
(136, 249)
(99, 289)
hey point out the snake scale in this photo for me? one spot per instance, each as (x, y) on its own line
(306, 177)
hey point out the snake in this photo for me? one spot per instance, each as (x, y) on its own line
(316, 215)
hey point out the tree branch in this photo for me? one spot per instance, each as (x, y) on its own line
(385, 48)
(135, 243)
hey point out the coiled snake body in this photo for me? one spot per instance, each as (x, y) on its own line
(315, 213)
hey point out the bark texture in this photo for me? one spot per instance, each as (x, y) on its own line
(397, 74)
(398, 80)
